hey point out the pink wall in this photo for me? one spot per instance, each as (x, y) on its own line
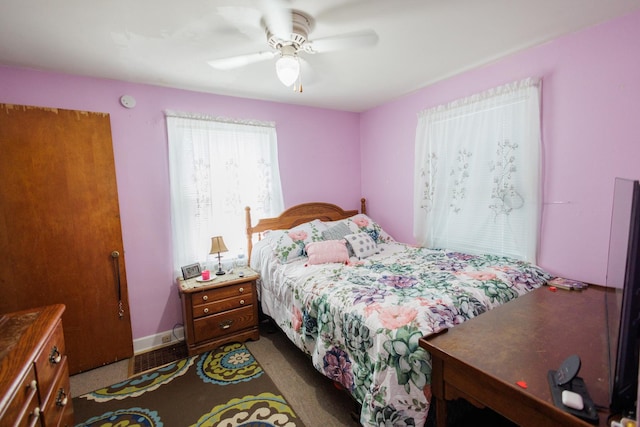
(591, 111)
(308, 140)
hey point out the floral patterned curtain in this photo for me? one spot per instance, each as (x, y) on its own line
(477, 173)
(217, 168)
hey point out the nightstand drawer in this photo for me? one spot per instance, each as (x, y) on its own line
(223, 323)
(222, 305)
(210, 295)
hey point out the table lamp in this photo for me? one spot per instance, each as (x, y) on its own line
(217, 246)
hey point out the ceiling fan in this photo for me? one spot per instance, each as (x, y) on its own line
(287, 33)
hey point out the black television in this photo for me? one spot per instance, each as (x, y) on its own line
(623, 297)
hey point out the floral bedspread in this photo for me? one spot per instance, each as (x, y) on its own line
(361, 322)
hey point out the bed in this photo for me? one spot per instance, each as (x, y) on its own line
(359, 317)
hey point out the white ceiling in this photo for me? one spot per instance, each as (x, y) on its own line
(168, 42)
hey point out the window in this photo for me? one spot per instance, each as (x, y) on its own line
(218, 167)
(476, 176)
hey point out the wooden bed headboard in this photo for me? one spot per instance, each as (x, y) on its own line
(297, 215)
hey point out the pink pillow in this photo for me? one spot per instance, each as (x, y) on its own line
(327, 251)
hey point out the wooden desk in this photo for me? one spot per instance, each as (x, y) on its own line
(482, 359)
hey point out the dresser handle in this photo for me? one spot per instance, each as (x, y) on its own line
(241, 290)
(55, 357)
(204, 298)
(241, 302)
(33, 385)
(226, 324)
(35, 418)
(206, 310)
(61, 399)
(36, 412)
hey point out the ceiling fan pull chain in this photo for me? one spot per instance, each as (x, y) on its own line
(297, 86)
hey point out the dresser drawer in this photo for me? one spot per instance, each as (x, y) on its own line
(60, 400)
(49, 362)
(25, 401)
(212, 295)
(223, 323)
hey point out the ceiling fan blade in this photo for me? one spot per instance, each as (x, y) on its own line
(308, 74)
(344, 41)
(242, 19)
(277, 18)
(366, 10)
(241, 60)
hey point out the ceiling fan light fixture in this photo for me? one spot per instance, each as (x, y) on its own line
(288, 69)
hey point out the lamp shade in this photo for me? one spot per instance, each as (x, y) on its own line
(288, 69)
(217, 245)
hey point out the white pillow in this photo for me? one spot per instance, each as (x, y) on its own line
(290, 245)
(361, 244)
(361, 223)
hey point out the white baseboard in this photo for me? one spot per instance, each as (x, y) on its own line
(151, 342)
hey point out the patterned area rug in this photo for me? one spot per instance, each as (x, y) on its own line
(226, 387)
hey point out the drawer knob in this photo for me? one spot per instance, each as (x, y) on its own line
(226, 324)
(241, 302)
(33, 385)
(204, 298)
(206, 310)
(61, 399)
(241, 290)
(36, 412)
(55, 357)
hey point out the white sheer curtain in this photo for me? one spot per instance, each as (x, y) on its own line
(217, 167)
(477, 173)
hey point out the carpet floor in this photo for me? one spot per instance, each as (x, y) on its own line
(225, 387)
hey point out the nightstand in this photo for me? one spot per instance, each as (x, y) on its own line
(220, 311)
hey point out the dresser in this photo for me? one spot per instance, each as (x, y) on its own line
(219, 311)
(34, 375)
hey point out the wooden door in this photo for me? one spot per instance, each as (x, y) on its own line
(60, 224)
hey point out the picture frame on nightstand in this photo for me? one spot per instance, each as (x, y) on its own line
(190, 271)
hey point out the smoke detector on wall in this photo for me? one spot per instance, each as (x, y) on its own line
(127, 101)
